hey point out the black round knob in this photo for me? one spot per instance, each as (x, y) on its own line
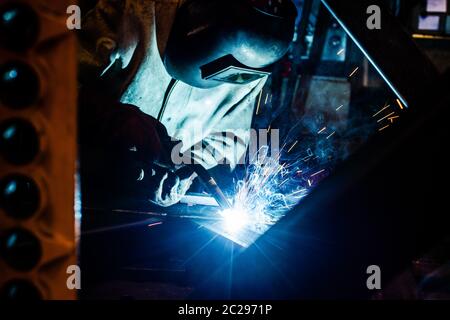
(19, 141)
(20, 249)
(19, 196)
(19, 26)
(19, 85)
(20, 290)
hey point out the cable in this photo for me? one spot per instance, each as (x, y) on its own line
(167, 95)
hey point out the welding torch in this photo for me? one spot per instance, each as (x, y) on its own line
(205, 177)
(210, 183)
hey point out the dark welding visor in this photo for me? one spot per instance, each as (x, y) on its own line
(227, 69)
(228, 41)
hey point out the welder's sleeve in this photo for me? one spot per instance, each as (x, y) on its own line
(230, 137)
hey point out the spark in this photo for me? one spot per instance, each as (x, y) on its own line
(385, 117)
(400, 104)
(260, 198)
(299, 191)
(332, 134)
(155, 224)
(293, 146)
(340, 52)
(381, 129)
(393, 118)
(259, 102)
(353, 72)
(284, 182)
(307, 158)
(317, 173)
(267, 98)
(338, 108)
(322, 130)
(384, 108)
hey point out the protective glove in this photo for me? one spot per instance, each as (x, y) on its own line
(137, 161)
(166, 187)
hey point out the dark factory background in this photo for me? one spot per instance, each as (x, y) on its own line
(371, 143)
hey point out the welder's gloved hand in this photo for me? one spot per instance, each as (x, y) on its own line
(144, 148)
(166, 187)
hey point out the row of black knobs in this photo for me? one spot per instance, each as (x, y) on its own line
(19, 145)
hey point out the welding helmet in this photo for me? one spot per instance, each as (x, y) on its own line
(228, 41)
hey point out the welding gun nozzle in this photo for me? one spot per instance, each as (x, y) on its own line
(212, 186)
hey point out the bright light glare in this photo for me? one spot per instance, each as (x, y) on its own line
(265, 194)
(234, 220)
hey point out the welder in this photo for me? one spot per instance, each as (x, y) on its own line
(156, 73)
